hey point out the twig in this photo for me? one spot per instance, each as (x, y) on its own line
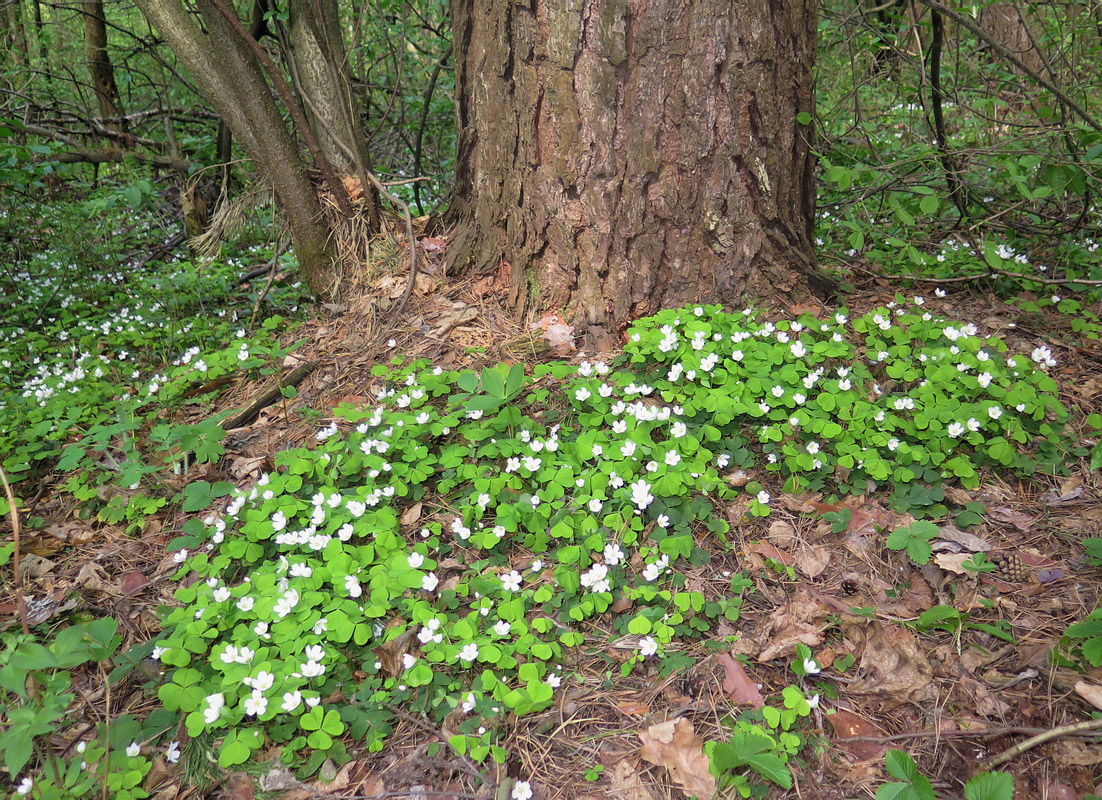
(20, 603)
(1005, 52)
(268, 396)
(466, 764)
(1041, 738)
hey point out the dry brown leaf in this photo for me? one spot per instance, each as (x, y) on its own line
(390, 653)
(634, 709)
(1069, 752)
(558, 335)
(772, 551)
(892, 661)
(433, 244)
(965, 539)
(412, 514)
(1091, 692)
(675, 746)
(737, 684)
(92, 576)
(812, 560)
(800, 620)
(782, 533)
(626, 783)
(848, 725)
(1020, 520)
(952, 562)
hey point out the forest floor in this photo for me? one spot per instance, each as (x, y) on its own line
(954, 695)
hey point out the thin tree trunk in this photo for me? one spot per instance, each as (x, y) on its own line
(99, 65)
(619, 157)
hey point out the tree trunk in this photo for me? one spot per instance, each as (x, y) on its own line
(13, 36)
(1003, 22)
(621, 156)
(315, 35)
(99, 65)
(230, 77)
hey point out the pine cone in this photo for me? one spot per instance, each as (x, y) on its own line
(1009, 567)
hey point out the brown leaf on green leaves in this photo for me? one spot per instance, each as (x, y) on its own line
(675, 746)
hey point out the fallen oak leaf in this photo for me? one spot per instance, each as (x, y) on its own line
(675, 746)
(772, 551)
(737, 683)
(848, 725)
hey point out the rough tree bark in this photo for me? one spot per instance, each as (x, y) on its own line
(624, 155)
(99, 65)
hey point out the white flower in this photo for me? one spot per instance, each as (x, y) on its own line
(522, 790)
(469, 703)
(263, 681)
(763, 497)
(640, 494)
(595, 505)
(213, 711)
(537, 565)
(352, 586)
(813, 701)
(511, 581)
(994, 412)
(315, 652)
(613, 554)
(429, 582)
(955, 430)
(27, 784)
(299, 570)
(255, 705)
(798, 349)
(648, 646)
(246, 603)
(415, 560)
(469, 652)
(582, 394)
(291, 700)
(133, 749)
(627, 449)
(180, 556)
(312, 669)
(502, 628)
(554, 681)
(673, 458)
(984, 379)
(172, 754)
(408, 660)
(810, 667)
(221, 594)
(663, 521)
(651, 572)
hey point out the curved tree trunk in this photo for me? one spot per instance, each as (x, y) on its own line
(230, 77)
(623, 156)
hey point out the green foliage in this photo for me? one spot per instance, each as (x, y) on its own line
(36, 693)
(915, 539)
(304, 569)
(913, 785)
(1084, 639)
